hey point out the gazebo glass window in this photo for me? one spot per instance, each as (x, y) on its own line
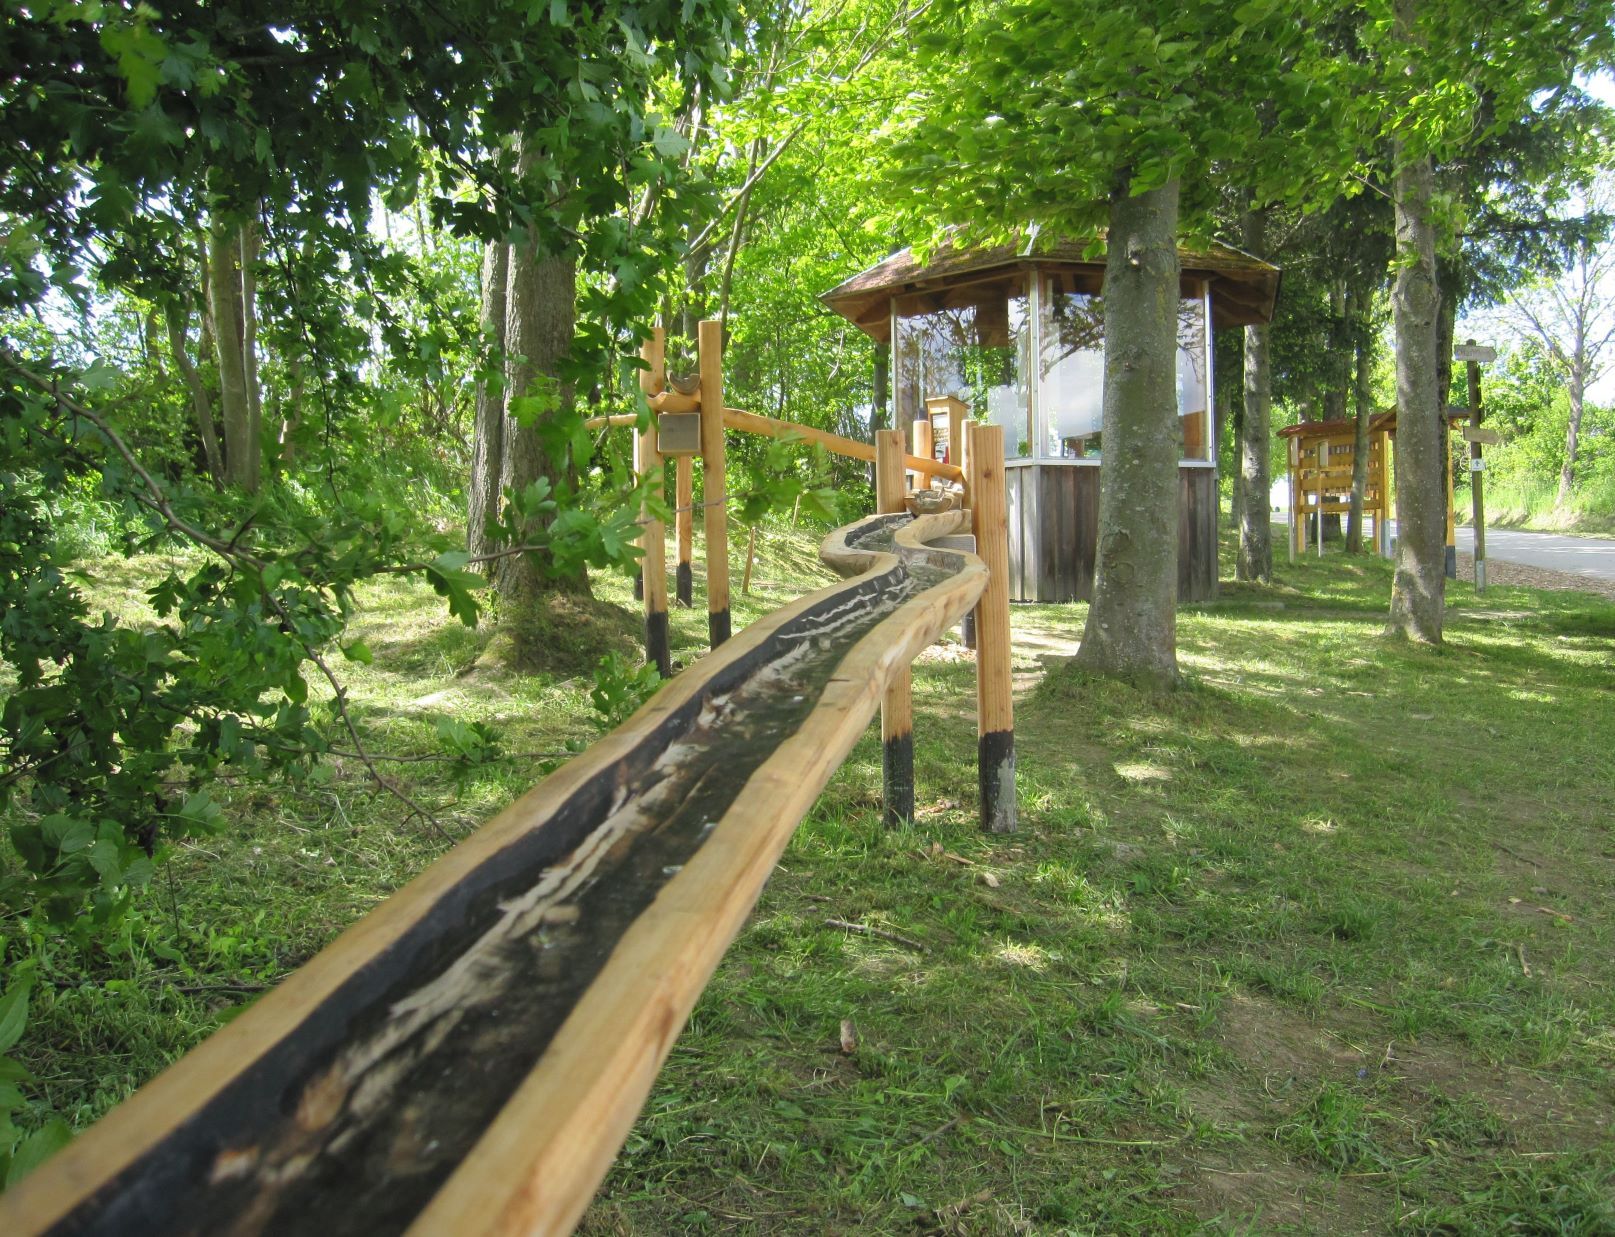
(973, 342)
(1071, 371)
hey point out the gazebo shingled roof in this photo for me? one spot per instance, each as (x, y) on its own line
(1243, 288)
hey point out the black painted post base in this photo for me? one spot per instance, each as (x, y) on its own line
(967, 629)
(996, 753)
(1452, 562)
(718, 626)
(684, 586)
(657, 652)
(897, 773)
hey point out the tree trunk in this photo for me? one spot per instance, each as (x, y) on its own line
(249, 351)
(540, 308)
(1255, 559)
(292, 417)
(1236, 509)
(1132, 623)
(1363, 411)
(488, 428)
(1578, 399)
(1339, 381)
(1418, 593)
(224, 293)
(201, 405)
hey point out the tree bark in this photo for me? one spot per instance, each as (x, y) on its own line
(1132, 624)
(1418, 592)
(488, 427)
(201, 404)
(1255, 558)
(249, 352)
(1363, 411)
(540, 309)
(1578, 399)
(1339, 382)
(235, 412)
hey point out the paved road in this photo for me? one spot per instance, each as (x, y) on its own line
(1582, 556)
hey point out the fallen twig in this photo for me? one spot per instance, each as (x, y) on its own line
(884, 935)
(1508, 851)
(940, 1131)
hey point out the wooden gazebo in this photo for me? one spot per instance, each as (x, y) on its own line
(1017, 335)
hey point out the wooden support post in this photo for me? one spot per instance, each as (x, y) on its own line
(897, 706)
(1386, 475)
(1317, 497)
(684, 521)
(714, 481)
(1295, 494)
(967, 625)
(995, 709)
(1477, 477)
(1452, 512)
(652, 540)
(921, 431)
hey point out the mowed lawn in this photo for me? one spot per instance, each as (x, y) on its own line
(1322, 942)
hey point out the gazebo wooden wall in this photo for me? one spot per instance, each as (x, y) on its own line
(1054, 532)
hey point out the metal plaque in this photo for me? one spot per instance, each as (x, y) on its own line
(678, 433)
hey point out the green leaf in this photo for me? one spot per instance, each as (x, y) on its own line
(37, 1148)
(358, 651)
(106, 857)
(14, 1011)
(67, 834)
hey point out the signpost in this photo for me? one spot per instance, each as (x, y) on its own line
(1474, 355)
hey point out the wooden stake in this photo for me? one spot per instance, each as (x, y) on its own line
(652, 540)
(995, 709)
(714, 482)
(684, 521)
(897, 706)
(751, 557)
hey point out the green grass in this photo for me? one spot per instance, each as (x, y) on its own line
(1320, 942)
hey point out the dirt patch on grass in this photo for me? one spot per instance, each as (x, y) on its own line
(1267, 1195)
(1411, 1092)
(1500, 572)
(564, 634)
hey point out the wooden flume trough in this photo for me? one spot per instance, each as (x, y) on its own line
(469, 1057)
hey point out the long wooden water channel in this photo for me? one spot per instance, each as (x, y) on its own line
(470, 1056)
